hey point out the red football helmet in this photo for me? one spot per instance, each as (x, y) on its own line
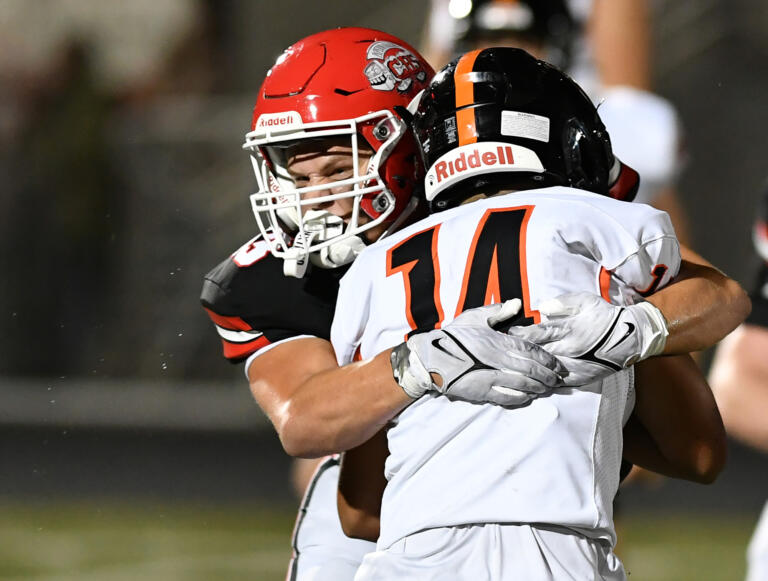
(346, 82)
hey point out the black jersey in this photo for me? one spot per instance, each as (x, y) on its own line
(252, 304)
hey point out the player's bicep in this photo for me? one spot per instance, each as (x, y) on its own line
(275, 375)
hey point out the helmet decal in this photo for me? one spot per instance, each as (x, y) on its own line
(528, 125)
(282, 120)
(465, 96)
(450, 130)
(476, 159)
(392, 67)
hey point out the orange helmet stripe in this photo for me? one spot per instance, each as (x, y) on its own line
(465, 95)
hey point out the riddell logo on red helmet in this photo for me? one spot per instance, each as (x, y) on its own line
(278, 120)
(478, 158)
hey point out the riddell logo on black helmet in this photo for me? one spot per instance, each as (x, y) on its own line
(478, 158)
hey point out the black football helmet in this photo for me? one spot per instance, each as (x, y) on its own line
(547, 23)
(499, 117)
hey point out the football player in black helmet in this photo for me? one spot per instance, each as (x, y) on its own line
(492, 122)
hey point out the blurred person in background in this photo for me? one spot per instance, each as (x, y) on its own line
(739, 379)
(68, 73)
(604, 45)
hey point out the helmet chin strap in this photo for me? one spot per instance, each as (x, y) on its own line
(339, 253)
(296, 259)
(347, 249)
(319, 226)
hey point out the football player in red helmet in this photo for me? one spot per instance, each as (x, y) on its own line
(337, 168)
(342, 87)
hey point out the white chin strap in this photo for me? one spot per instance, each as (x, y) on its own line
(318, 226)
(339, 253)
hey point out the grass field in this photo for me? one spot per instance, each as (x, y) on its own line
(108, 542)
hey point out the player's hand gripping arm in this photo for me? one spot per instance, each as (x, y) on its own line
(594, 337)
(319, 408)
(675, 428)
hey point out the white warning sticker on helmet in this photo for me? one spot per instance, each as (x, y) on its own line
(527, 125)
(478, 158)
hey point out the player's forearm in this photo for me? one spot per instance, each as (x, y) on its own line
(341, 408)
(701, 306)
(677, 411)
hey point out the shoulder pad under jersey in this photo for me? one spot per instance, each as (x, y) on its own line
(253, 304)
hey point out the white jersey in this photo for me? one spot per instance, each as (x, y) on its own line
(556, 460)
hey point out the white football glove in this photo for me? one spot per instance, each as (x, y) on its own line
(475, 362)
(595, 338)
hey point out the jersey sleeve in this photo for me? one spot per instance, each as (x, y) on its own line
(253, 305)
(635, 246)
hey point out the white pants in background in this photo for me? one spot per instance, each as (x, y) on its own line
(321, 550)
(757, 553)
